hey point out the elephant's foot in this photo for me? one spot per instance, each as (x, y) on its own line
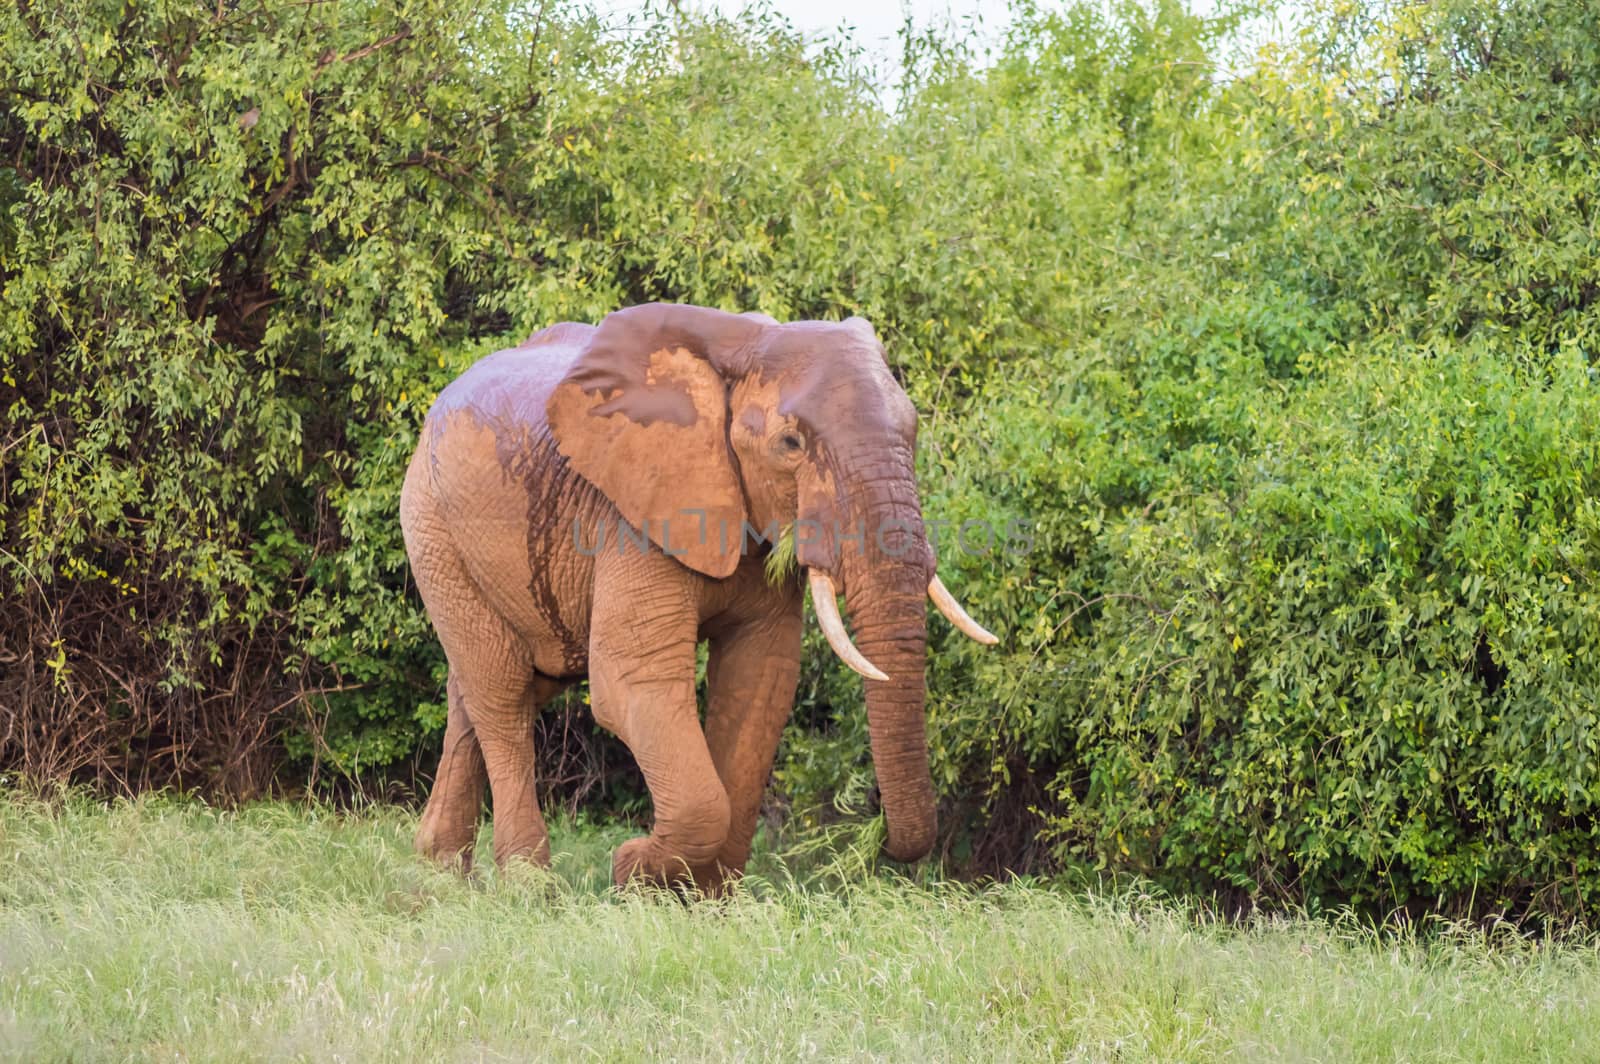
(714, 880)
(441, 840)
(521, 841)
(645, 860)
(639, 861)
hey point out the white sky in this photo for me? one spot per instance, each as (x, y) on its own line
(875, 24)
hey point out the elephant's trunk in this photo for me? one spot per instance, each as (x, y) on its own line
(886, 585)
(892, 634)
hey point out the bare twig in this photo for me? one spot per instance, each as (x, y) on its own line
(331, 57)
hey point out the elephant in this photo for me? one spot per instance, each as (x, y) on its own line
(600, 499)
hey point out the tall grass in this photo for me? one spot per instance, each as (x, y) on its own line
(159, 929)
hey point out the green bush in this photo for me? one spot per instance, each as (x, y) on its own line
(1290, 368)
(1313, 614)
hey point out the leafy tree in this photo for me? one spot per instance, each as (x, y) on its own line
(1289, 369)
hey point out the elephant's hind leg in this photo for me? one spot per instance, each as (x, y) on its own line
(500, 695)
(502, 718)
(450, 821)
(493, 688)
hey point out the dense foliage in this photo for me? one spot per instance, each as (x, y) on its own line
(1291, 365)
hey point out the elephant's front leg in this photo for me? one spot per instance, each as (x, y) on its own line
(641, 675)
(751, 677)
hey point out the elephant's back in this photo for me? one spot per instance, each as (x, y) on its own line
(488, 443)
(512, 386)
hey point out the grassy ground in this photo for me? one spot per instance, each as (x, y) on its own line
(170, 931)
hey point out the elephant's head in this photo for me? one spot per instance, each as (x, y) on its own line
(698, 424)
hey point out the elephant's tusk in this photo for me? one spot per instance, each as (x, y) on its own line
(952, 609)
(827, 607)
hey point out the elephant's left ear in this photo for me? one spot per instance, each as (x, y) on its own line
(643, 416)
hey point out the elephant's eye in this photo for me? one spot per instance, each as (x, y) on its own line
(791, 442)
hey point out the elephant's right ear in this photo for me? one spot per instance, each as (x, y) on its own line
(643, 416)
